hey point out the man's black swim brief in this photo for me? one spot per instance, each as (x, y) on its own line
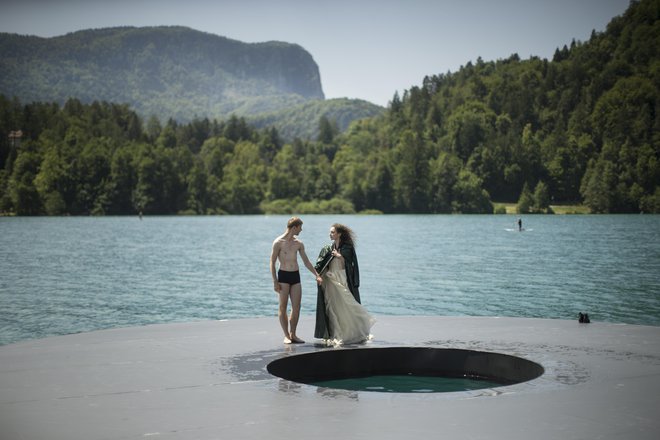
(287, 277)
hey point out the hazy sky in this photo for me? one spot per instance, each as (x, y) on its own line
(365, 49)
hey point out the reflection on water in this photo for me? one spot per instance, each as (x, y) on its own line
(409, 384)
(287, 386)
(334, 393)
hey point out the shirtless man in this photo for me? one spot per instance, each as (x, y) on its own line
(287, 280)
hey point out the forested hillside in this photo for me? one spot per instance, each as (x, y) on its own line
(169, 72)
(583, 126)
(302, 121)
(580, 128)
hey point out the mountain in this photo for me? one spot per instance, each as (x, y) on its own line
(583, 127)
(302, 121)
(169, 72)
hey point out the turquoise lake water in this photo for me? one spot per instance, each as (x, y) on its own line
(408, 384)
(73, 274)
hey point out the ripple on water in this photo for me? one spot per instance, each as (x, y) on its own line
(65, 275)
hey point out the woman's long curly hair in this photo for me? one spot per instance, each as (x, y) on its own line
(347, 235)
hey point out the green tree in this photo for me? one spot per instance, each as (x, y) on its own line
(215, 154)
(469, 196)
(542, 198)
(567, 166)
(318, 182)
(598, 184)
(411, 173)
(378, 183)
(93, 174)
(197, 185)
(651, 203)
(526, 201)
(444, 172)
(167, 137)
(244, 176)
(627, 111)
(469, 126)
(5, 199)
(285, 175)
(327, 130)
(159, 188)
(123, 178)
(153, 129)
(57, 177)
(350, 168)
(23, 193)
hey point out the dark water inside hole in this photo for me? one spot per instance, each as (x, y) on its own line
(408, 384)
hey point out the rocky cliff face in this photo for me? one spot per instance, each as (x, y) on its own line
(166, 71)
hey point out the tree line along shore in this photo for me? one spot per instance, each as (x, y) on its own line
(581, 129)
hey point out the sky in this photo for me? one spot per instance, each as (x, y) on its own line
(365, 49)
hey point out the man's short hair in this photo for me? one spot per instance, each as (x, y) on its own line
(293, 222)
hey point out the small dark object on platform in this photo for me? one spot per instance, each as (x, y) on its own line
(583, 318)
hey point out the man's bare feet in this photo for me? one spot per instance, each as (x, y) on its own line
(287, 340)
(296, 340)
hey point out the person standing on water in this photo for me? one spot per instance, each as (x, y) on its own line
(286, 281)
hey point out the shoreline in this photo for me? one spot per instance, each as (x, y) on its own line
(510, 210)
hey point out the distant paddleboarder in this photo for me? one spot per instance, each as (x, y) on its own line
(519, 224)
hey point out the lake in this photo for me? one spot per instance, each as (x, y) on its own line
(62, 275)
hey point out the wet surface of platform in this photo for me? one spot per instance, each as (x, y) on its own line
(208, 380)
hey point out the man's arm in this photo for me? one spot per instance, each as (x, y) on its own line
(273, 259)
(308, 264)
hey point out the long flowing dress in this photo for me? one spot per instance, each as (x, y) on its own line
(349, 322)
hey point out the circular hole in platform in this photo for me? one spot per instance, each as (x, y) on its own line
(405, 369)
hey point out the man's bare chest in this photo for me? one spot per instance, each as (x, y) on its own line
(289, 249)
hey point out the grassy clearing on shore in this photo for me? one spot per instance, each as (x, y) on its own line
(570, 209)
(558, 209)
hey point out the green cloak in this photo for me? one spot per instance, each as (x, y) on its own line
(322, 329)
